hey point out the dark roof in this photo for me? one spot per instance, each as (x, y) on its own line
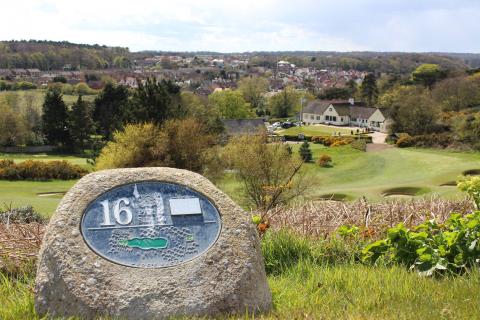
(361, 112)
(316, 107)
(342, 109)
(236, 127)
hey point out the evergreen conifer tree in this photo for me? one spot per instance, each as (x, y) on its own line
(80, 124)
(305, 152)
(55, 119)
(368, 89)
(109, 112)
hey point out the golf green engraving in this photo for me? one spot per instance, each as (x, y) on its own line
(145, 243)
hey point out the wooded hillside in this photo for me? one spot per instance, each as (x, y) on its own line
(51, 55)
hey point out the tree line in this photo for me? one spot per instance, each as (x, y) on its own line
(49, 55)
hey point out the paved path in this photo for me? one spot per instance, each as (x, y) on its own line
(378, 142)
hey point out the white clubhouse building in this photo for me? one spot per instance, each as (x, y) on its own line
(344, 113)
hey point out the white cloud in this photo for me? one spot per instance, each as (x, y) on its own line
(248, 25)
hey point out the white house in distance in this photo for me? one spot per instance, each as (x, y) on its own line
(344, 113)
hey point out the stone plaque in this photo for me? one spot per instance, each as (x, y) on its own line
(150, 224)
(149, 243)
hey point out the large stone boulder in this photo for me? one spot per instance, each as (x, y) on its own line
(79, 274)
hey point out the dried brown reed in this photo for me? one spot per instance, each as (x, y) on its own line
(321, 218)
(19, 246)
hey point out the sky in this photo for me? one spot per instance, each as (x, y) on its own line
(250, 25)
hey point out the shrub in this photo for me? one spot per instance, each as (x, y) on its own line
(40, 170)
(325, 161)
(405, 141)
(431, 248)
(178, 143)
(25, 214)
(333, 141)
(269, 173)
(4, 163)
(439, 140)
(83, 89)
(24, 85)
(359, 144)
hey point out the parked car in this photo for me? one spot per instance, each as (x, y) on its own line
(287, 125)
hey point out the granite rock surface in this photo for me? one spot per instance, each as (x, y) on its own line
(72, 280)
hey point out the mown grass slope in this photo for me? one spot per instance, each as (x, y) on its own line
(356, 173)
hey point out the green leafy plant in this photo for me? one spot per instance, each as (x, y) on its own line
(471, 185)
(431, 248)
(348, 231)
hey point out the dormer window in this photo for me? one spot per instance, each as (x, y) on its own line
(330, 109)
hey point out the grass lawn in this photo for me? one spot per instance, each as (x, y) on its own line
(37, 96)
(356, 173)
(319, 292)
(317, 130)
(21, 193)
(361, 292)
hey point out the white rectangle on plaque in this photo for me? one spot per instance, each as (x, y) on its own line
(185, 206)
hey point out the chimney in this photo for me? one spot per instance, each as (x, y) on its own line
(351, 101)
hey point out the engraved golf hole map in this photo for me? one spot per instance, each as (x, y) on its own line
(150, 224)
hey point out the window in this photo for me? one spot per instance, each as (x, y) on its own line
(312, 117)
(330, 109)
(318, 118)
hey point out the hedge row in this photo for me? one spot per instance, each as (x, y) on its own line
(358, 142)
(40, 170)
(291, 137)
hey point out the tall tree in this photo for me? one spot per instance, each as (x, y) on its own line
(110, 109)
(352, 88)
(427, 75)
(80, 124)
(368, 89)
(284, 103)
(55, 119)
(156, 102)
(231, 105)
(12, 128)
(414, 113)
(253, 89)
